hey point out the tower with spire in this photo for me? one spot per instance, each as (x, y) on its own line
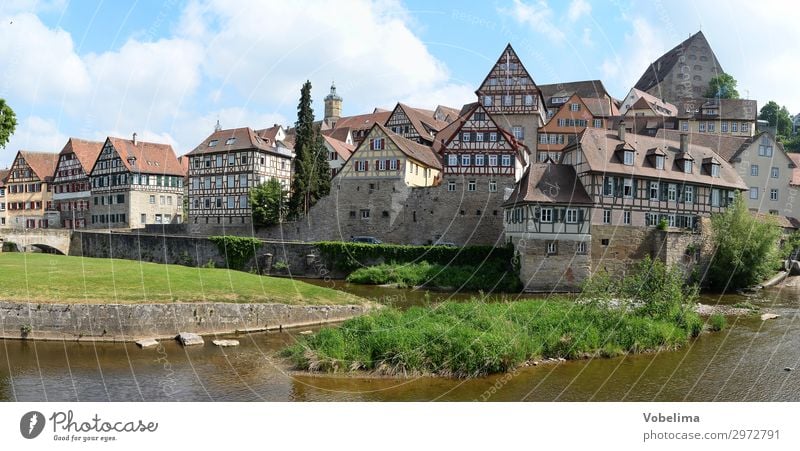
(333, 107)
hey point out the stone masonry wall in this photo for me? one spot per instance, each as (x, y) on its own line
(564, 271)
(129, 322)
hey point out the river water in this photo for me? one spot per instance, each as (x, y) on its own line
(745, 362)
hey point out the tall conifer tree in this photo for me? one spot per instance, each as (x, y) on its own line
(311, 178)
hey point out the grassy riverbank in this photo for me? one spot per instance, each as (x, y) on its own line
(492, 276)
(51, 278)
(474, 338)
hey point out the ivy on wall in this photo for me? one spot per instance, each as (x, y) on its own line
(237, 250)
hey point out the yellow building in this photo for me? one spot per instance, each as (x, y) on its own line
(386, 155)
(28, 192)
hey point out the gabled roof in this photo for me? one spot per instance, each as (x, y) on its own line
(446, 135)
(271, 133)
(338, 133)
(343, 149)
(511, 55)
(85, 151)
(600, 107)
(43, 164)
(421, 119)
(420, 152)
(3, 176)
(239, 139)
(599, 147)
(146, 157)
(736, 109)
(726, 146)
(647, 100)
(536, 185)
(660, 68)
(446, 113)
(795, 157)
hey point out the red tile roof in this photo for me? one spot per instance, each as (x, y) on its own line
(363, 121)
(795, 157)
(3, 175)
(340, 147)
(150, 158)
(85, 151)
(238, 139)
(420, 152)
(43, 164)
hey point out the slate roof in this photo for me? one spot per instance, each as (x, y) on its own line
(151, 158)
(549, 183)
(85, 151)
(726, 146)
(584, 88)
(660, 68)
(730, 109)
(600, 154)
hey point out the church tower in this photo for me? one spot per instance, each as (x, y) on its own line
(333, 107)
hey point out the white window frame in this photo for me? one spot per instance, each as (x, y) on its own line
(626, 217)
(465, 137)
(773, 194)
(472, 185)
(607, 216)
(451, 185)
(754, 192)
(572, 216)
(466, 159)
(492, 186)
(775, 172)
(654, 189)
(492, 160)
(753, 170)
(552, 248)
(492, 136)
(688, 194)
(546, 215)
(672, 192)
(452, 159)
(627, 188)
(627, 157)
(505, 160)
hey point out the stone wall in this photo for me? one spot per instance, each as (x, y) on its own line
(564, 271)
(129, 322)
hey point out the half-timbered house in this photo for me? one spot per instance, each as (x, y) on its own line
(3, 175)
(225, 167)
(135, 183)
(572, 117)
(72, 190)
(510, 95)
(29, 196)
(416, 124)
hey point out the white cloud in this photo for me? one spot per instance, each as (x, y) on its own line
(625, 64)
(38, 6)
(538, 16)
(578, 9)
(34, 133)
(586, 37)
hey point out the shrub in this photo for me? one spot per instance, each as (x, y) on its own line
(717, 322)
(745, 248)
(237, 250)
(492, 275)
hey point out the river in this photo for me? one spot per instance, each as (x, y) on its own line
(745, 362)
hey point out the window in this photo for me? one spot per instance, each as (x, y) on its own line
(506, 160)
(598, 123)
(243, 180)
(672, 192)
(701, 126)
(606, 216)
(754, 170)
(711, 126)
(688, 194)
(734, 127)
(608, 186)
(393, 165)
(479, 159)
(465, 137)
(628, 157)
(660, 162)
(753, 192)
(507, 100)
(365, 214)
(143, 219)
(492, 186)
(574, 107)
(546, 215)
(543, 138)
(627, 188)
(764, 150)
(687, 166)
(381, 165)
(528, 100)
(745, 127)
(479, 137)
(465, 160)
(230, 141)
(572, 216)
(492, 136)
(471, 185)
(774, 172)
(581, 248)
(724, 127)
(243, 201)
(684, 126)
(773, 194)
(451, 185)
(162, 200)
(452, 159)
(361, 166)
(158, 219)
(377, 144)
(231, 159)
(552, 248)
(212, 143)
(152, 200)
(492, 160)
(714, 170)
(653, 190)
(715, 197)
(487, 100)
(518, 131)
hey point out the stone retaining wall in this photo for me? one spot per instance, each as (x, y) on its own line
(130, 322)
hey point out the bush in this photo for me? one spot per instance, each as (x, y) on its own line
(492, 275)
(237, 250)
(746, 249)
(717, 322)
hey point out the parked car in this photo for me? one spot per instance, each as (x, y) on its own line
(445, 243)
(365, 239)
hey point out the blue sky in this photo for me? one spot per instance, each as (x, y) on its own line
(168, 70)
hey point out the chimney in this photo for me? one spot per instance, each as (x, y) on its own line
(621, 131)
(134, 138)
(684, 142)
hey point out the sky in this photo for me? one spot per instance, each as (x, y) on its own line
(168, 70)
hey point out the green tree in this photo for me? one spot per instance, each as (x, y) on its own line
(268, 202)
(311, 179)
(746, 248)
(723, 86)
(778, 117)
(8, 123)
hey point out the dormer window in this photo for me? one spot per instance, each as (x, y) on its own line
(660, 162)
(687, 166)
(714, 170)
(213, 143)
(230, 141)
(627, 157)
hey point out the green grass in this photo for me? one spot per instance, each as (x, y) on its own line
(491, 276)
(476, 338)
(717, 322)
(56, 278)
